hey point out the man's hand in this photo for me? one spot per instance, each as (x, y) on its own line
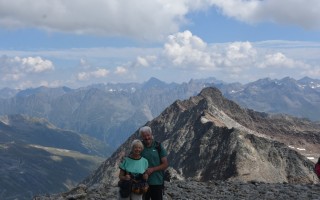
(150, 171)
(145, 176)
(127, 177)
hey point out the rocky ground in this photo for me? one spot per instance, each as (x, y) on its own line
(179, 190)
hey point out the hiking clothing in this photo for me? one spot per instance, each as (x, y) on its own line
(155, 192)
(132, 196)
(152, 155)
(136, 167)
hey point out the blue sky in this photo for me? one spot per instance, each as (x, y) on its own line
(78, 42)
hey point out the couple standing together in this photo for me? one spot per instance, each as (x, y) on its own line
(147, 162)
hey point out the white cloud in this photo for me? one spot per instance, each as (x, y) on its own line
(183, 53)
(236, 55)
(15, 68)
(279, 60)
(120, 70)
(35, 64)
(236, 61)
(142, 61)
(145, 19)
(99, 73)
(295, 12)
(240, 50)
(83, 76)
(184, 50)
(135, 18)
(187, 51)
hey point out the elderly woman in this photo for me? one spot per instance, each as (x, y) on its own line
(132, 170)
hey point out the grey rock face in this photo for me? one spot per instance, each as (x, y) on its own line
(210, 138)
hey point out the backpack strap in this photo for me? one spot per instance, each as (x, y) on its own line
(158, 147)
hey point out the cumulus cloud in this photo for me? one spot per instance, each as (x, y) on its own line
(188, 52)
(184, 50)
(99, 73)
(279, 60)
(295, 12)
(144, 61)
(145, 19)
(182, 53)
(35, 64)
(235, 55)
(135, 18)
(120, 70)
(14, 68)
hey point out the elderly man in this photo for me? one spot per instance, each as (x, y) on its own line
(157, 159)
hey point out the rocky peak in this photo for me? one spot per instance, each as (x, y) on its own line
(211, 138)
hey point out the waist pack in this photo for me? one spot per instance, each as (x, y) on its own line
(139, 187)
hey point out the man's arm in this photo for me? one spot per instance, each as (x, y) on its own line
(164, 165)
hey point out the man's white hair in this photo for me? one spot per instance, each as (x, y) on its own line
(145, 129)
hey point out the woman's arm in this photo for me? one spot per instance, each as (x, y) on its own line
(123, 175)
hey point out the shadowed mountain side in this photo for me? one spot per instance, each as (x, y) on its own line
(211, 138)
(38, 158)
(27, 170)
(39, 131)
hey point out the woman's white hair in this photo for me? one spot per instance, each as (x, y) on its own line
(136, 143)
(145, 129)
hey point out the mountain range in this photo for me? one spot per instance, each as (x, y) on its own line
(299, 98)
(111, 112)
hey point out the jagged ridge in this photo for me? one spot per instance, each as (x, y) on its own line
(211, 138)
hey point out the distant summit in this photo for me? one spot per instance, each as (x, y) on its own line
(153, 83)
